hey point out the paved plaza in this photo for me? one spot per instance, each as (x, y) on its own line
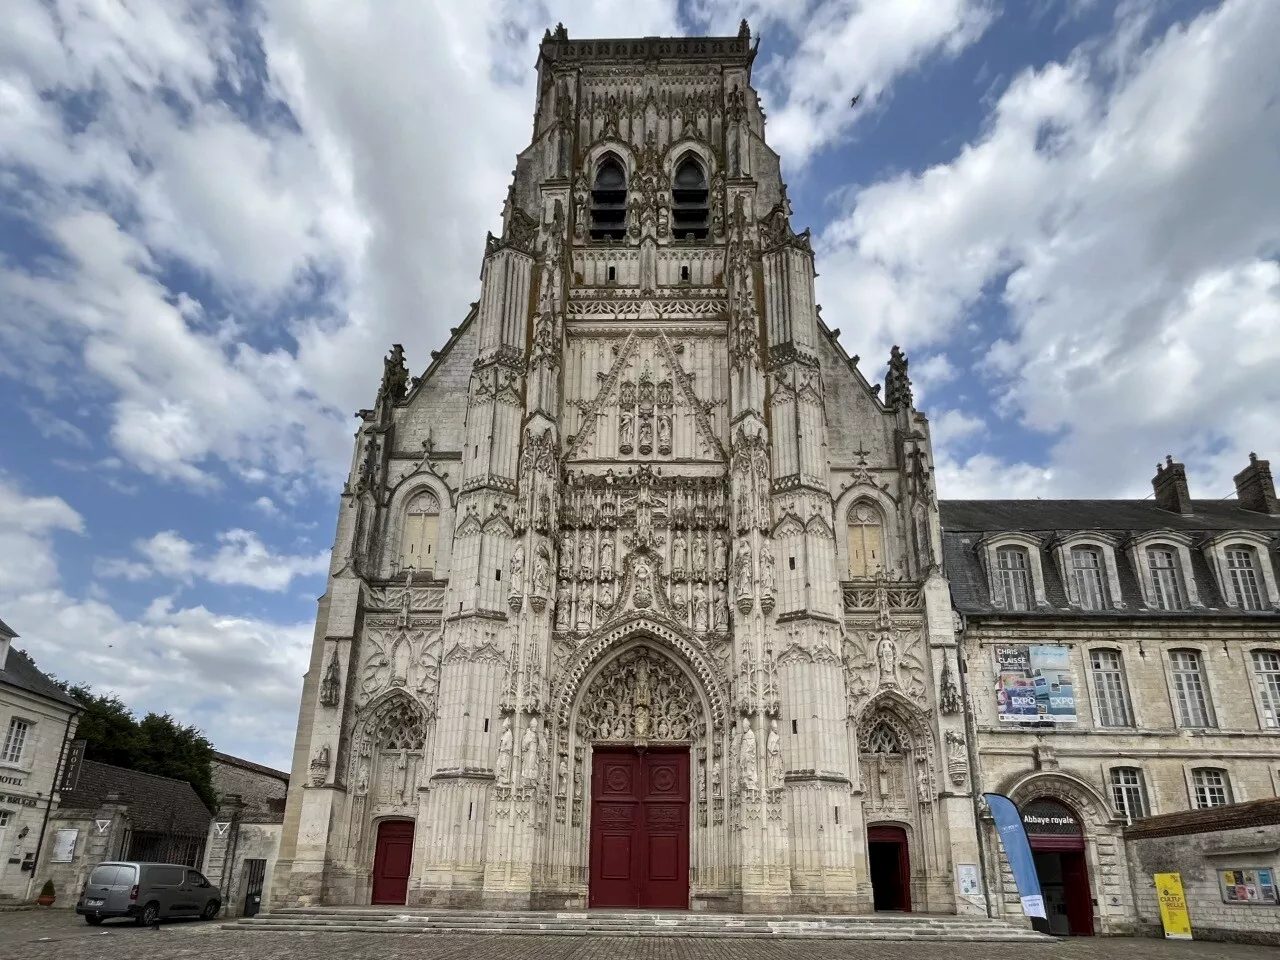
(59, 935)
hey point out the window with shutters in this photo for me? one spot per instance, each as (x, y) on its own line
(1266, 673)
(866, 540)
(1129, 793)
(1087, 572)
(1013, 575)
(689, 194)
(1166, 580)
(419, 539)
(1210, 787)
(1242, 570)
(609, 200)
(14, 740)
(1110, 689)
(1190, 689)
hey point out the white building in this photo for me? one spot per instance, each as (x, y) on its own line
(36, 719)
(585, 639)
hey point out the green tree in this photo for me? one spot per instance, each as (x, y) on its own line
(155, 744)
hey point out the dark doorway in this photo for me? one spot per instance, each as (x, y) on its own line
(255, 872)
(392, 860)
(640, 828)
(889, 865)
(1057, 846)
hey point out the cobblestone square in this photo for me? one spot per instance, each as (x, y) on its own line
(60, 935)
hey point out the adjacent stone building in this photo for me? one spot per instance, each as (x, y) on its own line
(244, 836)
(640, 593)
(1122, 659)
(636, 596)
(36, 720)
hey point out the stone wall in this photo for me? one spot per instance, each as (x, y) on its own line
(1198, 850)
(261, 790)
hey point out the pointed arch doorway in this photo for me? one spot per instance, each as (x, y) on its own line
(889, 865)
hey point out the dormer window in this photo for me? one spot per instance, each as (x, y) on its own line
(1166, 582)
(1242, 568)
(1013, 575)
(689, 200)
(1087, 573)
(609, 200)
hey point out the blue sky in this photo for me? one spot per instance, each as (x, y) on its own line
(215, 218)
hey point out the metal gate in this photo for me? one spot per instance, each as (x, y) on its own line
(255, 871)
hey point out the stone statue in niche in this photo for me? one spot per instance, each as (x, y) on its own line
(587, 558)
(604, 596)
(743, 580)
(606, 557)
(541, 574)
(626, 426)
(529, 755)
(957, 759)
(329, 686)
(664, 434)
(679, 554)
(580, 204)
(320, 766)
(747, 757)
(562, 776)
(643, 594)
(715, 777)
(563, 602)
(722, 607)
(768, 582)
(949, 701)
(720, 556)
(700, 609)
(505, 746)
(922, 786)
(699, 554)
(887, 660)
(516, 567)
(678, 600)
(584, 611)
(773, 756)
(402, 774)
(646, 434)
(566, 554)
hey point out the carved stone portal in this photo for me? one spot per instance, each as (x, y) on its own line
(641, 696)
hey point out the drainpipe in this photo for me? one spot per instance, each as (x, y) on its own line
(971, 725)
(48, 807)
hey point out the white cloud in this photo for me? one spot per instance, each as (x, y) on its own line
(1135, 217)
(238, 678)
(241, 559)
(952, 425)
(984, 477)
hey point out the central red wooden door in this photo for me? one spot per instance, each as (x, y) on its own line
(392, 860)
(640, 828)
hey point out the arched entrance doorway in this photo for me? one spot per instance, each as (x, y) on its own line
(392, 859)
(889, 864)
(1057, 845)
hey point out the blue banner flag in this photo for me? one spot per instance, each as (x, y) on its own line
(1017, 850)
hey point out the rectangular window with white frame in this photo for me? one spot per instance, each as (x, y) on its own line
(1266, 673)
(1190, 690)
(1166, 584)
(1087, 572)
(1111, 691)
(1013, 575)
(1129, 793)
(14, 740)
(1242, 568)
(1210, 787)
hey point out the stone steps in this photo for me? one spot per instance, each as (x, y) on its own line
(636, 924)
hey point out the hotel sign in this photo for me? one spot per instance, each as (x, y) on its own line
(19, 801)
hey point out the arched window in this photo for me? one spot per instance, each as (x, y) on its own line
(689, 200)
(609, 200)
(419, 538)
(1089, 574)
(883, 739)
(1013, 577)
(1166, 579)
(866, 540)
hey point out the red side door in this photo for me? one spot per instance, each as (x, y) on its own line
(640, 829)
(392, 861)
(1075, 889)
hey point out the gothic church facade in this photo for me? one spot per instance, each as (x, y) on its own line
(636, 596)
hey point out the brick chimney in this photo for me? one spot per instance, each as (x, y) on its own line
(1170, 485)
(1255, 489)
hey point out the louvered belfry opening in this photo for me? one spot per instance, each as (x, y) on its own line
(609, 201)
(689, 201)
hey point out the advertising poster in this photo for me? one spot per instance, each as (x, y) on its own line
(967, 879)
(1173, 906)
(1034, 685)
(64, 846)
(1247, 886)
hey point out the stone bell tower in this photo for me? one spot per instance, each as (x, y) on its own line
(635, 597)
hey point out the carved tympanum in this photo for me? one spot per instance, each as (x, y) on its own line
(641, 696)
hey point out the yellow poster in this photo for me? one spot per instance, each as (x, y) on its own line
(1173, 906)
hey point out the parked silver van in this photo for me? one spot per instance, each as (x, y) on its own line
(147, 892)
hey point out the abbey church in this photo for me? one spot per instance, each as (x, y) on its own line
(642, 594)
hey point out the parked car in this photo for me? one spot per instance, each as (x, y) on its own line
(147, 892)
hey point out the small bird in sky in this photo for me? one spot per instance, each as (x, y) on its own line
(854, 101)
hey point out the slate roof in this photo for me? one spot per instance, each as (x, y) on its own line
(251, 766)
(20, 671)
(965, 522)
(1254, 813)
(155, 804)
(6, 630)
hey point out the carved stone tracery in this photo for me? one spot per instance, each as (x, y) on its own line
(641, 696)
